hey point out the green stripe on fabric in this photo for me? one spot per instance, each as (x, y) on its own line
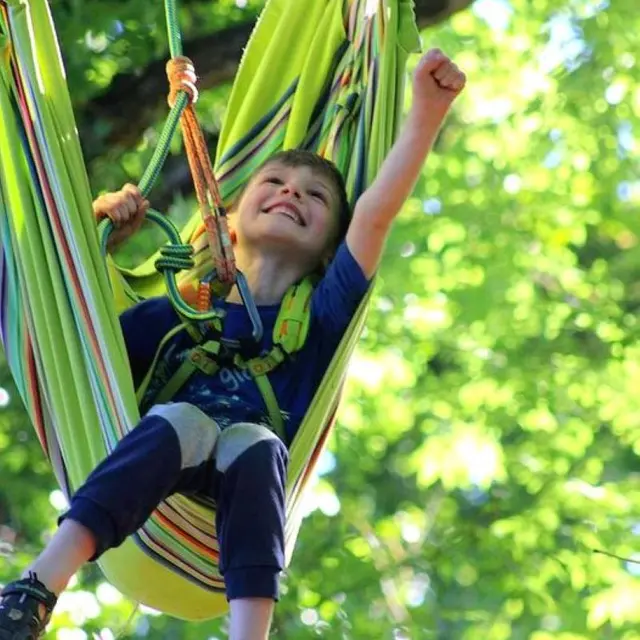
(82, 382)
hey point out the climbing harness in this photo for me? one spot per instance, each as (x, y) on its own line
(289, 335)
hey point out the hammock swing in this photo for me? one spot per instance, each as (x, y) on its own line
(325, 75)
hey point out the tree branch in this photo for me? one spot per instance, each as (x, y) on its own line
(133, 101)
(430, 12)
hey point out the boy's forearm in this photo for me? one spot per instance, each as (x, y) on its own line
(436, 84)
(400, 170)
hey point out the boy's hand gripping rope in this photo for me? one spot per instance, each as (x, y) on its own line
(183, 93)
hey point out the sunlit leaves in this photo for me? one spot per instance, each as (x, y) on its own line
(488, 444)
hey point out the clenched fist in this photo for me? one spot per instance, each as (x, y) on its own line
(437, 82)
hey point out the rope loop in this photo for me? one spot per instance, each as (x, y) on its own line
(182, 77)
(175, 258)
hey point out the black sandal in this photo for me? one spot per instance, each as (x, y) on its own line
(19, 616)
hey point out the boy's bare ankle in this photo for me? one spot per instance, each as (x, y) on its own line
(46, 577)
(70, 548)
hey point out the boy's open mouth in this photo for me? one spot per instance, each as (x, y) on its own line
(288, 210)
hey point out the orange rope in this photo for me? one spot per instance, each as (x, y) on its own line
(182, 77)
(204, 297)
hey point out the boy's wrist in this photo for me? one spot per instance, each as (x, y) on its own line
(427, 118)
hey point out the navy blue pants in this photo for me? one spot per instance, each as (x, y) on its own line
(178, 449)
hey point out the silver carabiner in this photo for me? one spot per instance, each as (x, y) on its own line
(250, 306)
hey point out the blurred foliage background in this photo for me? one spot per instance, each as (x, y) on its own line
(487, 448)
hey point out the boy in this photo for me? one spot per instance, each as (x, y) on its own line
(214, 439)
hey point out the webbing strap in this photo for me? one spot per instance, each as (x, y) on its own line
(259, 368)
(261, 365)
(202, 357)
(292, 326)
(142, 389)
(197, 331)
(270, 400)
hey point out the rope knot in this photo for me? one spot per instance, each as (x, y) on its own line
(182, 77)
(175, 258)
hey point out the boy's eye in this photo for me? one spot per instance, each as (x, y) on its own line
(319, 195)
(273, 180)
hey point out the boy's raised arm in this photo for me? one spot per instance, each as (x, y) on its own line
(436, 84)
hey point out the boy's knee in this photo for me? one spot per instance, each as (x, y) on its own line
(244, 437)
(196, 432)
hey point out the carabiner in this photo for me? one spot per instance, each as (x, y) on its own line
(250, 306)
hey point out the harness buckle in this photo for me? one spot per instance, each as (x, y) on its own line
(201, 360)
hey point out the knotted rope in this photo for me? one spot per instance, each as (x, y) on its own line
(182, 78)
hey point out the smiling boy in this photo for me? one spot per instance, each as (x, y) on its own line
(215, 438)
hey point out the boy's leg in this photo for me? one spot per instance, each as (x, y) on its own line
(250, 618)
(169, 451)
(250, 519)
(70, 547)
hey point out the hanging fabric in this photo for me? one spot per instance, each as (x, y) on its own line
(326, 75)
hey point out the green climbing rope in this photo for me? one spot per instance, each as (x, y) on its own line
(176, 256)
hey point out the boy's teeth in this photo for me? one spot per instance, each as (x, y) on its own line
(289, 214)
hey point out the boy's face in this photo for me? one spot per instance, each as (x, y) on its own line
(289, 208)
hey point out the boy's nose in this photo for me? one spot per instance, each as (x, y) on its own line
(291, 189)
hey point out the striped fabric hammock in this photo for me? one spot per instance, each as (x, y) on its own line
(321, 74)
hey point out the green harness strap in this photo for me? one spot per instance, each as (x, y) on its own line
(202, 357)
(259, 368)
(141, 390)
(289, 336)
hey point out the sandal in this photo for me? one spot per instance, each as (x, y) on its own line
(19, 616)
